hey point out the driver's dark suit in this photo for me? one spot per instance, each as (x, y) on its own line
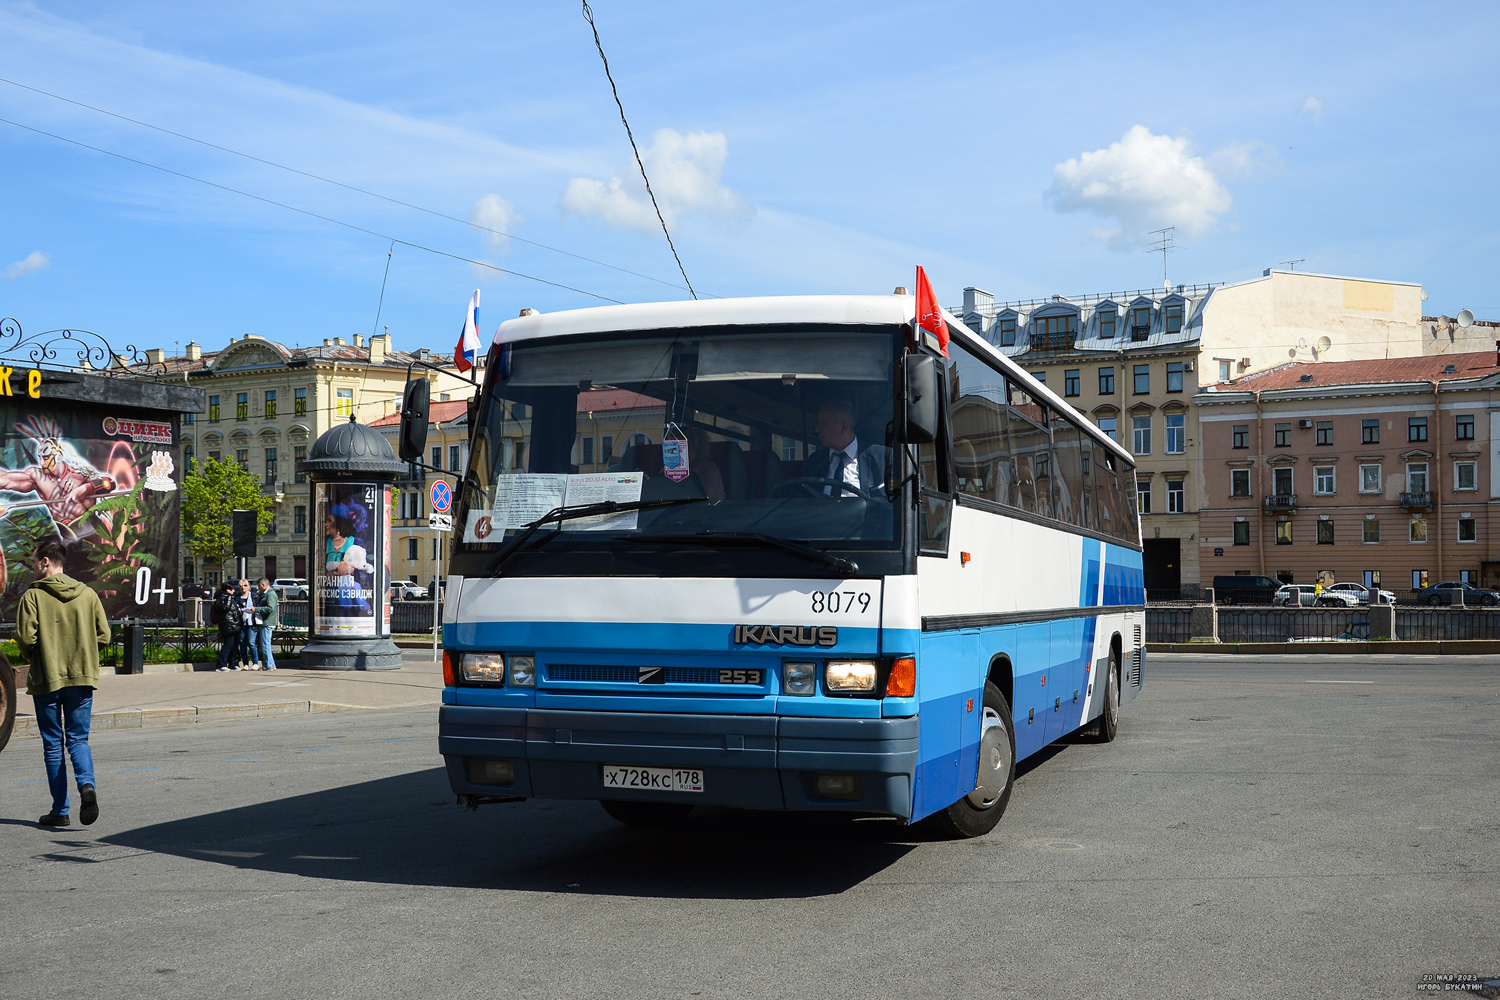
(820, 465)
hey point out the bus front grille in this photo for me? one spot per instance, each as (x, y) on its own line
(612, 674)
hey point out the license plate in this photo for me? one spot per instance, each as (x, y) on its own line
(653, 779)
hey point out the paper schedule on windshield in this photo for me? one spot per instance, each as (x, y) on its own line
(587, 488)
(523, 498)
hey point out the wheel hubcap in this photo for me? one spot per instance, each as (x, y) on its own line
(994, 761)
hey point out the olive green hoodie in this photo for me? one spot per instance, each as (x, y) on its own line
(60, 626)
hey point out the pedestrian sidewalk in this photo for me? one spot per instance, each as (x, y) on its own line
(139, 701)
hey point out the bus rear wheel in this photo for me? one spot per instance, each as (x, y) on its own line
(648, 814)
(976, 814)
(1109, 719)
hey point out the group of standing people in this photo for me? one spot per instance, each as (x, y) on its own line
(246, 623)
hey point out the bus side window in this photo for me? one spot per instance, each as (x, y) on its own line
(981, 446)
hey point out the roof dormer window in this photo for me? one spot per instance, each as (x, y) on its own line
(1054, 333)
(1007, 326)
(1172, 313)
(1107, 323)
(1140, 322)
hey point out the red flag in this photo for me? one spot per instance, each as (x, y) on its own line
(929, 317)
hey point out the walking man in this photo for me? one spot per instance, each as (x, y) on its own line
(60, 626)
(267, 608)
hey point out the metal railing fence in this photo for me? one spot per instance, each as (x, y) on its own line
(1283, 624)
(1169, 624)
(1447, 623)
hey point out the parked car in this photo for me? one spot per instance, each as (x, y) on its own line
(1294, 595)
(1442, 593)
(1244, 589)
(290, 588)
(193, 590)
(405, 590)
(1361, 593)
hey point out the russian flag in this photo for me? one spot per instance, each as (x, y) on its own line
(468, 340)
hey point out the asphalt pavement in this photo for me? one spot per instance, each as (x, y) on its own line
(1262, 827)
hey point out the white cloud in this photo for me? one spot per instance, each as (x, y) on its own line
(1314, 106)
(1143, 182)
(37, 260)
(496, 214)
(685, 173)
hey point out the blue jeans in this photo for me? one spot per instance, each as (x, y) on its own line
(229, 650)
(261, 645)
(65, 714)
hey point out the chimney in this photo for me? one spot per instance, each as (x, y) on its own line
(359, 340)
(194, 352)
(378, 347)
(156, 356)
(338, 341)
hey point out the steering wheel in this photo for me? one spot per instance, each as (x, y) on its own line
(808, 482)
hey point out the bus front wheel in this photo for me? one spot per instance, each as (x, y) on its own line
(650, 814)
(976, 814)
(1109, 719)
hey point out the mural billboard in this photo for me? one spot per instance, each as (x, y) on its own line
(104, 481)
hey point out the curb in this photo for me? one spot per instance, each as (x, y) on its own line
(1446, 647)
(154, 718)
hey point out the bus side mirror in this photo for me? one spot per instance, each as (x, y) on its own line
(919, 400)
(414, 406)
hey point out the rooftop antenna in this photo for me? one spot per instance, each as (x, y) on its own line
(1163, 245)
(1291, 265)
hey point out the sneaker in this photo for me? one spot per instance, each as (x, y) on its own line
(53, 819)
(88, 811)
(221, 670)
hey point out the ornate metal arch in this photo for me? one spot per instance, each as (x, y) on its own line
(72, 350)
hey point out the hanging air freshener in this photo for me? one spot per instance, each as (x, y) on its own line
(674, 454)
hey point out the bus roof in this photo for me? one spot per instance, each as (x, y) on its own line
(862, 310)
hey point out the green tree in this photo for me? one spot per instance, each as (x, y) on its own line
(211, 492)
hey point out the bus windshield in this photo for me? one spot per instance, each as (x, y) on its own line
(722, 443)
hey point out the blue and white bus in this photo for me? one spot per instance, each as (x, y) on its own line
(779, 553)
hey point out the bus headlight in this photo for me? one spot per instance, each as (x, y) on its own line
(799, 678)
(522, 670)
(483, 668)
(849, 676)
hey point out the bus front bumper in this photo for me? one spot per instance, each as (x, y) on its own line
(749, 762)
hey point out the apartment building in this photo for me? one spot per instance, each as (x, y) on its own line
(1136, 362)
(268, 402)
(1378, 472)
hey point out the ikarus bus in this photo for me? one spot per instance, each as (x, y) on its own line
(779, 553)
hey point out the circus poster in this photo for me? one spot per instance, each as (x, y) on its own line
(103, 481)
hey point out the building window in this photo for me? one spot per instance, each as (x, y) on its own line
(1283, 532)
(1140, 435)
(213, 456)
(1369, 479)
(1143, 498)
(437, 457)
(1325, 432)
(299, 520)
(1140, 323)
(1223, 371)
(1369, 431)
(1323, 480)
(1241, 435)
(242, 406)
(299, 402)
(453, 462)
(1142, 377)
(1174, 376)
(271, 530)
(187, 455)
(606, 447)
(1283, 435)
(189, 418)
(1054, 333)
(1173, 312)
(299, 455)
(1419, 530)
(1175, 496)
(1040, 377)
(1107, 381)
(1464, 429)
(1239, 482)
(270, 466)
(1465, 476)
(1110, 426)
(213, 409)
(1176, 433)
(1372, 531)
(1325, 532)
(1107, 324)
(343, 403)
(187, 569)
(1418, 579)
(242, 457)
(1007, 331)
(411, 549)
(1070, 382)
(1467, 531)
(1242, 532)
(588, 451)
(1416, 477)
(270, 403)
(1468, 576)
(1282, 478)
(1416, 429)
(270, 568)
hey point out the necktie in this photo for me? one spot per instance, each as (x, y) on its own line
(838, 474)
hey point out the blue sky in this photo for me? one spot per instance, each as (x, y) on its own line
(797, 148)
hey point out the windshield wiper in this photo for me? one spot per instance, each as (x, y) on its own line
(560, 514)
(710, 537)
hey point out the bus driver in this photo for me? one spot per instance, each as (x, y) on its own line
(840, 458)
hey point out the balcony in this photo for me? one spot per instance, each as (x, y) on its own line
(1140, 332)
(1281, 501)
(1055, 341)
(1416, 501)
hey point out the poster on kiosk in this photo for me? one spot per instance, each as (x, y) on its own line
(346, 579)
